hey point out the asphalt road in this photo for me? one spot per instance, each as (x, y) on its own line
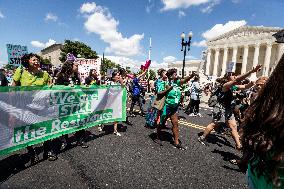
(133, 160)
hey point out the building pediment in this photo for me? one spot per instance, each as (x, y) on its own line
(246, 32)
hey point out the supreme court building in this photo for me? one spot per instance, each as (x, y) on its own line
(247, 46)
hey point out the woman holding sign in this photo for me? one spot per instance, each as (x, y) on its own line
(30, 74)
(116, 79)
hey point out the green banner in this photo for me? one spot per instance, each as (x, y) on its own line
(36, 114)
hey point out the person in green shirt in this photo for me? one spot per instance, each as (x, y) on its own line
(263, 134)
(173, 95)
(30, 74)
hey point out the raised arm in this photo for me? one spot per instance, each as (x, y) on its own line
(239, 78)
(186, 79)
(142, 74)
(246, 86)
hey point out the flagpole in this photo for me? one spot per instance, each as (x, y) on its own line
(149, 58)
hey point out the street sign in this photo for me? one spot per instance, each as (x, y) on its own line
(279, 36)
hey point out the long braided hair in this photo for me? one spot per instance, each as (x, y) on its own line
(264, 127)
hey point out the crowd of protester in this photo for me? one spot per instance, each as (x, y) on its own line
(252, 111)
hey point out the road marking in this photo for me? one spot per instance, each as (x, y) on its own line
(185, 123)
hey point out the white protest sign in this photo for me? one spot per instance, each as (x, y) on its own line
(231, 67)
(110, 71)
(85, 65)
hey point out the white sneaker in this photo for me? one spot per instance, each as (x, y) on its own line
(192, 115)
(199, 115)
(117, 133)
(100, 129)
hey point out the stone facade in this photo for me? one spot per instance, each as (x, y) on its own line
(247, 46)
(52, 53)
(190, 66)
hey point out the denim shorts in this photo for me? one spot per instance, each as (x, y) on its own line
(221, 114)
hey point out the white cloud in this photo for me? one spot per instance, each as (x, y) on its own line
(156, 65)
(176, 4)
(209, 8)
(135, 65)
(181, 14)
(149, 6)
(88, 7)
(51, 17)
(125, 61)
(1, 15)
(39, 44)
(190, 57)
(169, 59)
(220, 29)
(101, 22)
(199, 44)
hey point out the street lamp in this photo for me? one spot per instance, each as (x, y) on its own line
(185, 44)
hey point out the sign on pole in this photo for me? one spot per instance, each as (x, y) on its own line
(15, 53)
(231, 67)
(85, 65)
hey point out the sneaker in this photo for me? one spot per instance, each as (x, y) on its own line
(82, 144)
(202, 141)
(100, 129)
(192, 115)
(117, 133)
(65, 146)
(179, 146)
(51, 156)
(199, 115)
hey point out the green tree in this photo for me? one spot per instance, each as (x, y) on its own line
(44, 60)
(108, 64)
(152, 75)
(10, 67)
(76, 48)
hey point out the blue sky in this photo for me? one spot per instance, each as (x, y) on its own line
(122, 28)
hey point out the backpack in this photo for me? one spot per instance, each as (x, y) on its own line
(136, 88)
(216, 97)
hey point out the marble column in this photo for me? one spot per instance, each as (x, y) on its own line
(217, 53)
(255, 58)
(224, 64)
(235, 51)
(208, 61)
(267, 59)
(245, 59)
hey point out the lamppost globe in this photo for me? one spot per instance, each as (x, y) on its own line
(182, 36)
(190, 34)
